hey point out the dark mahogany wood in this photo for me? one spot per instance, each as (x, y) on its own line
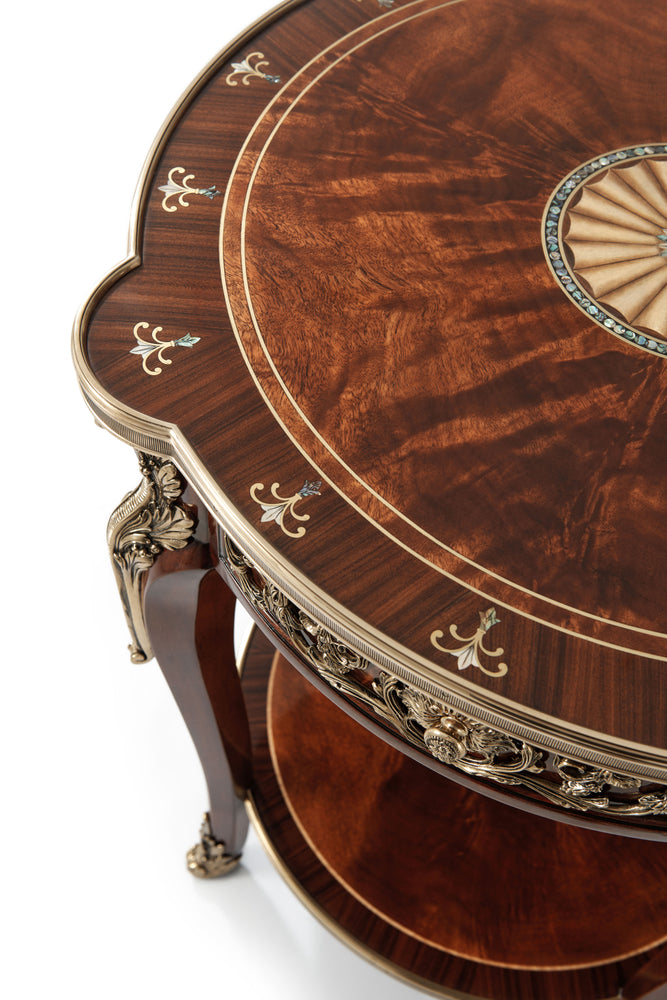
(470, 875)
(190, 620)
(649, 978)
(358, 274)
(398, 281)
(430, 874)
(518, 798)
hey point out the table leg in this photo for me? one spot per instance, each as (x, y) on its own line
(179, 609)
(190, 618)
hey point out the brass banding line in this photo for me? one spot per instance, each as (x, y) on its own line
(163, 438)
(448, 574)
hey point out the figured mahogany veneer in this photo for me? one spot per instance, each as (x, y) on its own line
(351, 316)
(375, 313)
(447, 888)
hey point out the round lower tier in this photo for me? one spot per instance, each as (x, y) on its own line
(459, 894)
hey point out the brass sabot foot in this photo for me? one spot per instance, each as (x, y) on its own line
(209, 858)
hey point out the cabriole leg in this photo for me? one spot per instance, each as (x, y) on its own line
(190, 619)
(179, 609)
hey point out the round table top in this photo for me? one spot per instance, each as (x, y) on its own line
(397, 305)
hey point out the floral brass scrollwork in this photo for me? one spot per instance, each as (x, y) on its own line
(148, 520)
(431, 725)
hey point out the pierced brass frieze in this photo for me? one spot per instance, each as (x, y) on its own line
(431, 725)
(148, 520)
(209, 858)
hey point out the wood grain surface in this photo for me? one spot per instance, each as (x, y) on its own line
(479, 442)
(391, 872)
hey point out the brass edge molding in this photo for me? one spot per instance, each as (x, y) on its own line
(334, 928)
(531, 725)
(89, 384)
(449, 736)
(161, 438)
(148, 521)
(534, 726)
(209, 858)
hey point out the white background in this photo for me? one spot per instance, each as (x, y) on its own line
(101, 789)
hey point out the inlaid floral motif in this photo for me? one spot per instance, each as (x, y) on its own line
(182, 187)
(246, 70)
(277, 508)
(467, 655)
(145, 348)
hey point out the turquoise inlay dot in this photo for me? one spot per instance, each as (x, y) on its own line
(641, 340)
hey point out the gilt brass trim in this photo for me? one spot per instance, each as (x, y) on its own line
(209, 858)
(434, 726)
(148, 520)
(160, 437)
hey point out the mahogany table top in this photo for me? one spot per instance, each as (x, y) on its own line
(396, 303)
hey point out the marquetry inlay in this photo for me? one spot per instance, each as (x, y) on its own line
(606, 240)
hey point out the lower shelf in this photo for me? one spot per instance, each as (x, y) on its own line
(460, 895)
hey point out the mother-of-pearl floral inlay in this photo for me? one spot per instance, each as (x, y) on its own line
(606, 240)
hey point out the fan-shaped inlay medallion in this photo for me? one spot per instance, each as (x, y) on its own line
(605, 235)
